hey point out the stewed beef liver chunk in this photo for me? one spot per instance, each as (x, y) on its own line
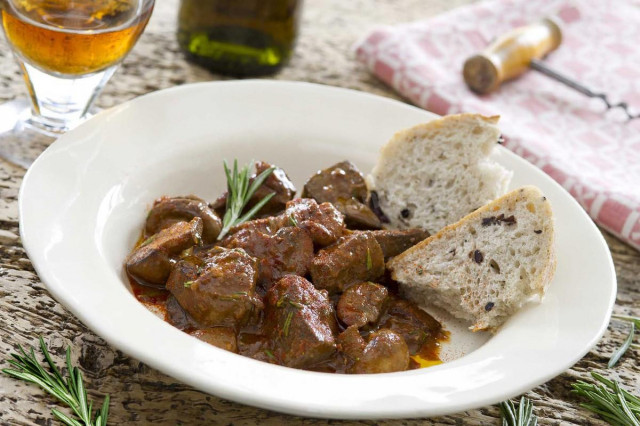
(288, 251)
(385, 351)
(394, 242)
(267, 225)
(151, 262)
(411, 322)
(168, 210)
(176, 315)
(220, 292)
(300, 323)
(277, 183)
(222, 337)
(361, 304)
(354, 258)
(324, 223)
(343, 185)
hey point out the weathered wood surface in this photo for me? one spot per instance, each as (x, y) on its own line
(141, 395)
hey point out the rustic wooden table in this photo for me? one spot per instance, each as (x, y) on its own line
(142, 395)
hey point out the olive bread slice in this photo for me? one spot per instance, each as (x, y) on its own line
(433, 174)
(487, 265)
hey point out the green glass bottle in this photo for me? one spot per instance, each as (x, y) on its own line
(239, 37)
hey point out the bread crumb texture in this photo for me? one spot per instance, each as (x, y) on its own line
(486, 266)
(433, 174)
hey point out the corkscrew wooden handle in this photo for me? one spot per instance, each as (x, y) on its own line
(510, 55)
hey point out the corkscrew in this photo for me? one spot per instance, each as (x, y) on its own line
(523, 48)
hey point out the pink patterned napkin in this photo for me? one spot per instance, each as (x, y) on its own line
(594, 154)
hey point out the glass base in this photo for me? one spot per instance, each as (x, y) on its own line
(22, 136)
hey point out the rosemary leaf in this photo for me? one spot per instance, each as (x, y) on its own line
(523, 416)
(101, 417)
(70, 391)
(259, 180)
(609, 401)
(369, 261)
(622, 401)
(622, 349)
(64, 419)
(240, 189)
(287, 323)
(248, 215)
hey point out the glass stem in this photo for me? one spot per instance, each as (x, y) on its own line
(61, 102)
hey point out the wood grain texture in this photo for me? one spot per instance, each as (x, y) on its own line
(142, 395)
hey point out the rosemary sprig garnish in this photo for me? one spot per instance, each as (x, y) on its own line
(522, 416)
(628, 342)
(608, 400)
(239, 192)
(70, 390)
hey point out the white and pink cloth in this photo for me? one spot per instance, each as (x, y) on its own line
(592, 153)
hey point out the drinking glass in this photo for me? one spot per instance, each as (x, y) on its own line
(67, 51)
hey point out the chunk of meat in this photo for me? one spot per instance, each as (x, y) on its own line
(287, 252)
(394, 242)
(151, 262)
(300, 323)
(277, 183)
(324, 223)
(177, 316)
(219, 293)
(221, 337)
(357, 215)
(343, 185)
(361, 304)
(351, 343)
(354, 258)
(267, 225)
(168, 210)
(385, 351)
(412, 323)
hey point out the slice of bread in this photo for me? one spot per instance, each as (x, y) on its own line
(433, 174)
(486, 266)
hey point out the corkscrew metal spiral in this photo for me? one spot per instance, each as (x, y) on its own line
(540, 67)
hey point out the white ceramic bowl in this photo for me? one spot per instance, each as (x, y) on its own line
(84, 200)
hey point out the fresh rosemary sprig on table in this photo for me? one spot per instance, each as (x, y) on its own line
(239, 192)
(522, 416)
(628, 342)
(70, 390)
(607, 399)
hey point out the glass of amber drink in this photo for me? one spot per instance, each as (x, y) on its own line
(67, 51)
